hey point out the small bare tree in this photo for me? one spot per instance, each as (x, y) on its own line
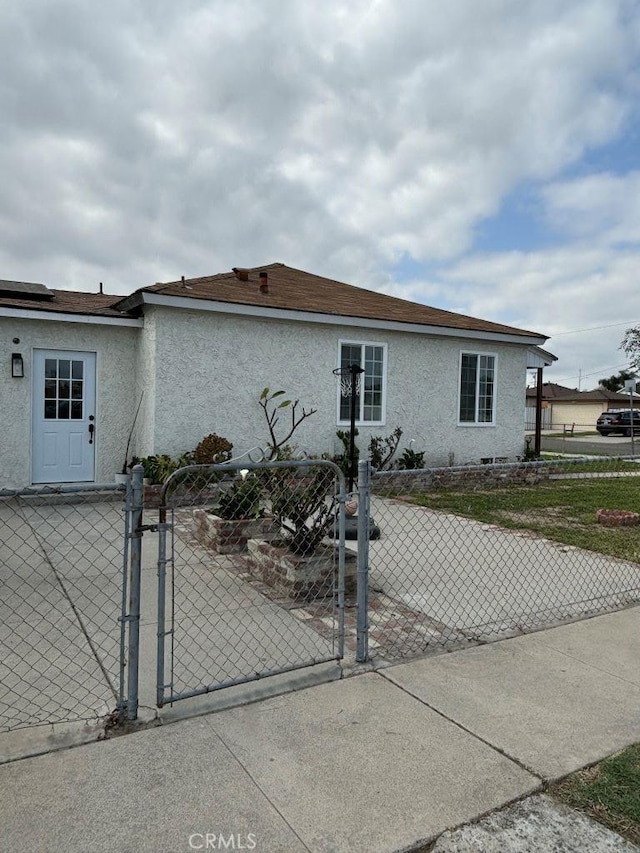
(271, 411)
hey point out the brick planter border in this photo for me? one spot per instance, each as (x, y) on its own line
(229, 536)
(300, 578)
(617, 518)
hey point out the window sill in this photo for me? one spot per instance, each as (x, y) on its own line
(474, 424)
(347, 424)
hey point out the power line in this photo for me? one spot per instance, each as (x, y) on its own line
(628, 323)
(625, 366)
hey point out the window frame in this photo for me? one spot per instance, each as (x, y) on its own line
(494, 401)
(383, 405)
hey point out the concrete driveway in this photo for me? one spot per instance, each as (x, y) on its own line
(586, 445)
(476, 581)
(61, 597)
(60, 576)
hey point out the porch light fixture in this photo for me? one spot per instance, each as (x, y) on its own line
(17, 365)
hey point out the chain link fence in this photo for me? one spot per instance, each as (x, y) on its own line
(247, 573)
(251, 574)
(479, 553)
(61, 577)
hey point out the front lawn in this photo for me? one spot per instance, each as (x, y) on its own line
(608, 791)
(563, 510)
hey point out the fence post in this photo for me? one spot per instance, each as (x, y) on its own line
(364, 485)
(137, 499)
(122, 696)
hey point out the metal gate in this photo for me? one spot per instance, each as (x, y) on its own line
(251, 574)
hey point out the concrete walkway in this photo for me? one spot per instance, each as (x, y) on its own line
(378, 761)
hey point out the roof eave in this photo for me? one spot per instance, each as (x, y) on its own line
(523, 338)
(69, 317)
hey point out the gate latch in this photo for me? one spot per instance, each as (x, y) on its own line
(152, 528)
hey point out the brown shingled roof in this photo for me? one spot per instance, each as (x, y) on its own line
(296, 290)
(69, 302)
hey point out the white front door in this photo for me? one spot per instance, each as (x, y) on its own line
(64, 404)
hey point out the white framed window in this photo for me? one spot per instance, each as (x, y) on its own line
(371, 397)
(477, 399)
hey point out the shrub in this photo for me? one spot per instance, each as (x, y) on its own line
(242, 500)
(342, 459)
(411, 460)
(212, 450)
(302, 506)
(382, 450)
(157, 468)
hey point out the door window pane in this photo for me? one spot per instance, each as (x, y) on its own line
(63, 395)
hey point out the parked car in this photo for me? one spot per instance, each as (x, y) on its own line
(618, 421)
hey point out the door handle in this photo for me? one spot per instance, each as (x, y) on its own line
(92, 428)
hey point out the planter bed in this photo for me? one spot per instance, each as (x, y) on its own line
(229, 536)
(300, 578)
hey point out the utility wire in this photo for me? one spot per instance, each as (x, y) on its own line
(602, 370)
(595, 328)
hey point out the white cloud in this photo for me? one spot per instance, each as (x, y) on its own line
(602, 207)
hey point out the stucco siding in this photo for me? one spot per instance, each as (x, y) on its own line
(115, 387)
(211, 368)
(144, 433)
(203, 372)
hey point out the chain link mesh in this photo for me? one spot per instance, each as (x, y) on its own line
(252, 574)
(61, 596)
(479, 553)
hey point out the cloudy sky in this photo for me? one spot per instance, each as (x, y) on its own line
(476, 155)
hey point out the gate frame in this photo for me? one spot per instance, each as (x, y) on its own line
(231, 467)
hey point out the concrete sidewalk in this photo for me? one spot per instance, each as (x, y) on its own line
(375, 762)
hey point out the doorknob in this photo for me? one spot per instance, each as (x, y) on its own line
(92, 428)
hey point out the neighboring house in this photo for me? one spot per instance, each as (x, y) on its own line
(197, 354)
(565, 407)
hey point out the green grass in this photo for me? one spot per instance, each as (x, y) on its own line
(609, 792)
(561, 510)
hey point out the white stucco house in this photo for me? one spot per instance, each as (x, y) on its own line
(194, 355)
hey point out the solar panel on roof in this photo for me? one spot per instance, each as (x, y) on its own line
(24, 290)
